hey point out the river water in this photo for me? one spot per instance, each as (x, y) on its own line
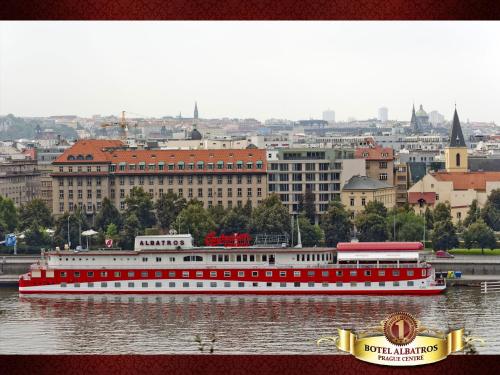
(239, 324)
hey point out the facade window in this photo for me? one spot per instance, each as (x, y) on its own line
(382, 176)
(352, 202)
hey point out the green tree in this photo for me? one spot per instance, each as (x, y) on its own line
(479, 234)
(409, 226)
(195, 220)
(77, 221)
(309, 209)
(235, 221)
(270, 217)
(491, 210)
(217, 213)
(112, 232)
(377, 208)
(35, 213)
(8, 215)
(429, 219)
(131, 229)
(473, 214)
(371, 227)
(442, 212)
(35, 235)
(139, 203)
(311, 234)
(444, 236)
(108, 214)
(168, 206)
(336, 224)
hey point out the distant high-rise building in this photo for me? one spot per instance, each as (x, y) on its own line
(329, 115)
(435, 118)
(383, 114)
(195, 116)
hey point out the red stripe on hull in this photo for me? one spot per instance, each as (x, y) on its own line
(287, 292)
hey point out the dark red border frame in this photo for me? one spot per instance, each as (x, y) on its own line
(207, 364)
(250, 9)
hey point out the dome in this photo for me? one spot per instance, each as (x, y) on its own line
(195, 134)
(421, 112)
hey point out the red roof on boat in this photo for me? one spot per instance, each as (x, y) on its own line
(379, 246)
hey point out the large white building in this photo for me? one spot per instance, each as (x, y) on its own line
(329, 115)
(383, 114)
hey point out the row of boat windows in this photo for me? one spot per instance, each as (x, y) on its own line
(227, 284)
(159, 274)
(313, 257)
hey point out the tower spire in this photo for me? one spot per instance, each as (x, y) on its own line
(195, 116)
(457, 137)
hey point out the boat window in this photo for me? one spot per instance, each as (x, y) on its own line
(264, 257)
(241, 273)
(339, 283)
(368, 273)
(325, 285)
(171, 259)
(144, 285)
(282, 273)
(255, 284)
(171, 274)
(90, 274)
(214, 258)
(63, 285)
(77, 274)
(303, 257)
(199, 284)
(381, 272)
(157, 273)
(296, 284)
(410, 283)
(354, 284)
(90, 285)
(130, 285)
(308, 257)
(131, 274)
(423, 272)
(245, 257)
(324, 273)
(213, 284)
(241, 285)
(269, 273)
(322, 257)
(158, 259)
(252, 258)
(227, 284)
(171, 285)
(187, 258)
(255, 273)
(283, 285)
(367, 283)
(353, 273)
(227, 273)
(310, 273)
(395, 272)
(144, 259)
(409, 272)
(310, 285)
(104, 285)
(226, 258)
(238, 258)
(144, 274)
(313, 257)
(199, 273)
(338, 273)
(296, 273)
(63, 274)
(158, 284)
(117, 285)
(269, 284)
(104, 274)
(395, 283)
(118, 274)
(213, 273)
(381, 283)
(185, 273)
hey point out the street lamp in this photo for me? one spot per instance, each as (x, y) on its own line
(421, 203)
(69, 239)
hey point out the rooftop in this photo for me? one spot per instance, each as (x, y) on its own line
(365, 183)
(468, 180)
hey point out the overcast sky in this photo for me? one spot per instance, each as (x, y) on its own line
(263, 70)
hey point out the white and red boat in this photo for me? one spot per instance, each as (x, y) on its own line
(170, 264)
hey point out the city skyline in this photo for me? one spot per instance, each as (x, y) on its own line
(262, 70)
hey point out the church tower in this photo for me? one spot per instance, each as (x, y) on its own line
(414, 124)
(195, 116)
(456, 153)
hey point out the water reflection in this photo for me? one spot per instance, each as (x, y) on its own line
(240, 324)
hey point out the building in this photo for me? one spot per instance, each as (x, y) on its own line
(292, 172)
(383, 114)
(91, 170)
(329, 115)
(456, 184)
(19, 176)
(419, 120)
(379, 162)
(436, 118)
(401, 183)
(360, 190)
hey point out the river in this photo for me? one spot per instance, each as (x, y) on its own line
(239, 324)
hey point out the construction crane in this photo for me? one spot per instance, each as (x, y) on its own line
(123, 124)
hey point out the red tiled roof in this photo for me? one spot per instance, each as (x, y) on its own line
(429, 198)
(97, 149)
(374, 153)
(467, 180)
(379, 246)
(94, 147)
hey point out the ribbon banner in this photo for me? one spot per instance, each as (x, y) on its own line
(400, 340)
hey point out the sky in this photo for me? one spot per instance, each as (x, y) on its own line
(262, 70)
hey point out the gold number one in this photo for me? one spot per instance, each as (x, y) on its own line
(401, 331)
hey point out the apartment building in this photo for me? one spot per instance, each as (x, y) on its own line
(91, 170)
(379, 162)
(19, 179)
(292, 172)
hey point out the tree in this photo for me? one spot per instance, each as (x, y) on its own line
(139, 203)
(473, 214)
(442, 212)
(371, 227)
(311, 234)
(168, 206)
(35, 213)
(270, 217)
(77, 221)
(131, 229)
(479, 234)
(8, 215)
(491, 210)
(336, 224)
(35, 235)
(195, 220)
(377, 208)
(429, 219)
(409, 226)
(112, 232)
(309, 207)
(444, 236)
(108, 214)
(217, 213)
(236, 220)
